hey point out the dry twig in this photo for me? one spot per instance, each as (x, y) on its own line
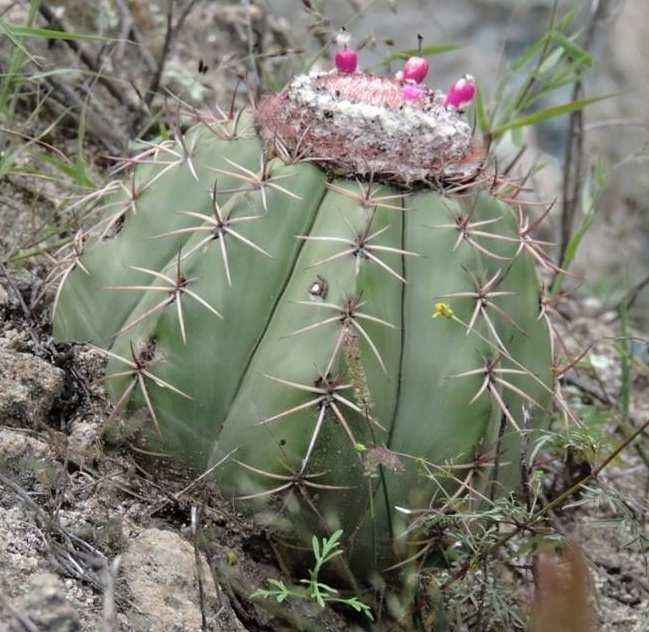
(574, 154)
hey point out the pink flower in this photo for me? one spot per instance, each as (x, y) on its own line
(346, 61)
(346, 58)
(415, 69)
(461, 93)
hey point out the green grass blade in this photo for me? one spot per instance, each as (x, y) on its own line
(481, 113)
(76, 171)
(547, 114)
(8, 31)
(19, 57)
(529, 54)
(426, 51)
(589, 198)
(16, 31)
(576, 52)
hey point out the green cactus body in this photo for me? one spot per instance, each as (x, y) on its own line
(264, 312)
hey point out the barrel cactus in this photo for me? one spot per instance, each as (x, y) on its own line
(333, 296)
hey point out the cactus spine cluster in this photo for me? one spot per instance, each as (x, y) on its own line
(333, 296)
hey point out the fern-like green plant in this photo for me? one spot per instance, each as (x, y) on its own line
(314, 589)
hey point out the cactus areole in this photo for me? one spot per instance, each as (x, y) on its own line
(333, 297)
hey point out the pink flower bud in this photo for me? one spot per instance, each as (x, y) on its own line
(347, 60)
(412, 92)
(461, 93)
(415, 69)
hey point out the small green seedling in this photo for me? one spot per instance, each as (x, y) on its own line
(315, 590)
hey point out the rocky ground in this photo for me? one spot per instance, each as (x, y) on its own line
(97, 535)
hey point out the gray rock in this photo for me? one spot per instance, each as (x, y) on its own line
(160, 572)
(84, 441)
(28, 388)
(29, 461)
(46, 607)
(16, 445)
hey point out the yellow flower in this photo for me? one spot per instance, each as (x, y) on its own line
(443, 310)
